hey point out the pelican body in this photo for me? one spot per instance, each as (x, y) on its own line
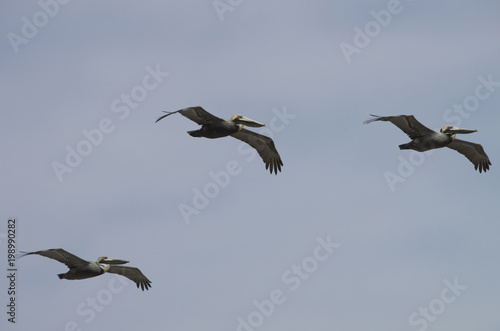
(81, 269)
(430, 141)
(214, 127)
(424, 139)
(224, 128)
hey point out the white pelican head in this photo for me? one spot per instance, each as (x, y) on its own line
(242, 120)
(104, 262)
(452, 130)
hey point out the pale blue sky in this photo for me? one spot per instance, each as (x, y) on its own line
(280, 63)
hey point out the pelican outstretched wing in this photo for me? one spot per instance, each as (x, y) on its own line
(133, 274)
(196, 114)
(264, 146)
(474, 152)
(60, 255)
(407, 123)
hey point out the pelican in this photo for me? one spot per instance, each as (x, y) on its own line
(81, 269)
(215, 127)
(424, 139)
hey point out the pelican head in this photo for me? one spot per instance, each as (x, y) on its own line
(450, 129)
(108, 260)
(242, 120)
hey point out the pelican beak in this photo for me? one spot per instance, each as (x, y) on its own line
(458, 130)
(109, 260)
(248, 122)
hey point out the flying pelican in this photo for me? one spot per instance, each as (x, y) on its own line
(215, 127)
(424, 139)
(81, 269)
